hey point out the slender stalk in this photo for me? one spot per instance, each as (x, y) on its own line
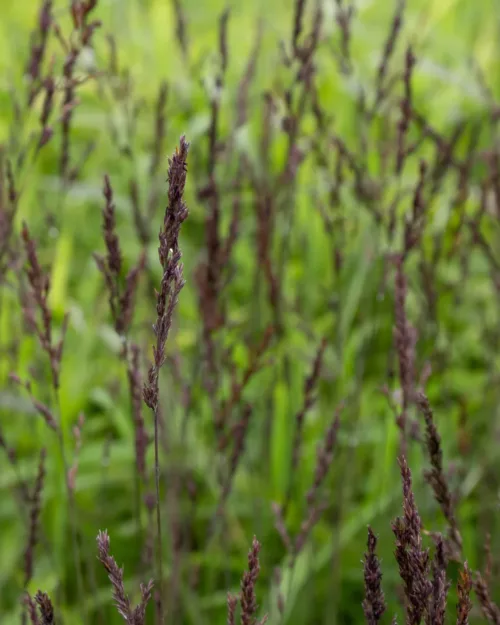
(158, 506)
(166, 301)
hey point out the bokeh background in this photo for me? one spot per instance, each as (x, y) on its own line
(456, 44)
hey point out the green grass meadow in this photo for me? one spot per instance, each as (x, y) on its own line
(455, 43)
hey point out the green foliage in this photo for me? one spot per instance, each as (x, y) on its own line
(351, 304)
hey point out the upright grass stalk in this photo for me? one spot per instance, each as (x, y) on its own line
(122, 292)
(166, 301)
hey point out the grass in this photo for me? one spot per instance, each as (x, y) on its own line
(309, 265)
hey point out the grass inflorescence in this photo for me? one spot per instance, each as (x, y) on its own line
(266, 340)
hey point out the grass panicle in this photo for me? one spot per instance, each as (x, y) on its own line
(137, 615)
(166, 301)
(330, 195)
(374, 604)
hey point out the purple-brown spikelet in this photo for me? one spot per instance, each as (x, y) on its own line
(436, 476)
(136, 616)
(411, 516)
(232, 603)
(8, 206)
(40, 609)
(115, 574)
(169, 255)
(39, 282)
(464, 587)
(49, 84)
(67, 109)
(121, 296)
(209, 271)
(389, 47)
(77, 433)
(114, 256)
(490, 610)
(12, 192)
(437, 605)
(40, 286)
(45, 412)
(31, 608)
(223, 46)
(406, 108)
(248, 596)
(45, 136)
(46, 608)
(404, 339)
(374, 603)
(298, 23)
(413, 560)
(36, 504)
(265, 210)
(139, 613)
(38, 49)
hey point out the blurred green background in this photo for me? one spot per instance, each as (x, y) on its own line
(455, 42)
